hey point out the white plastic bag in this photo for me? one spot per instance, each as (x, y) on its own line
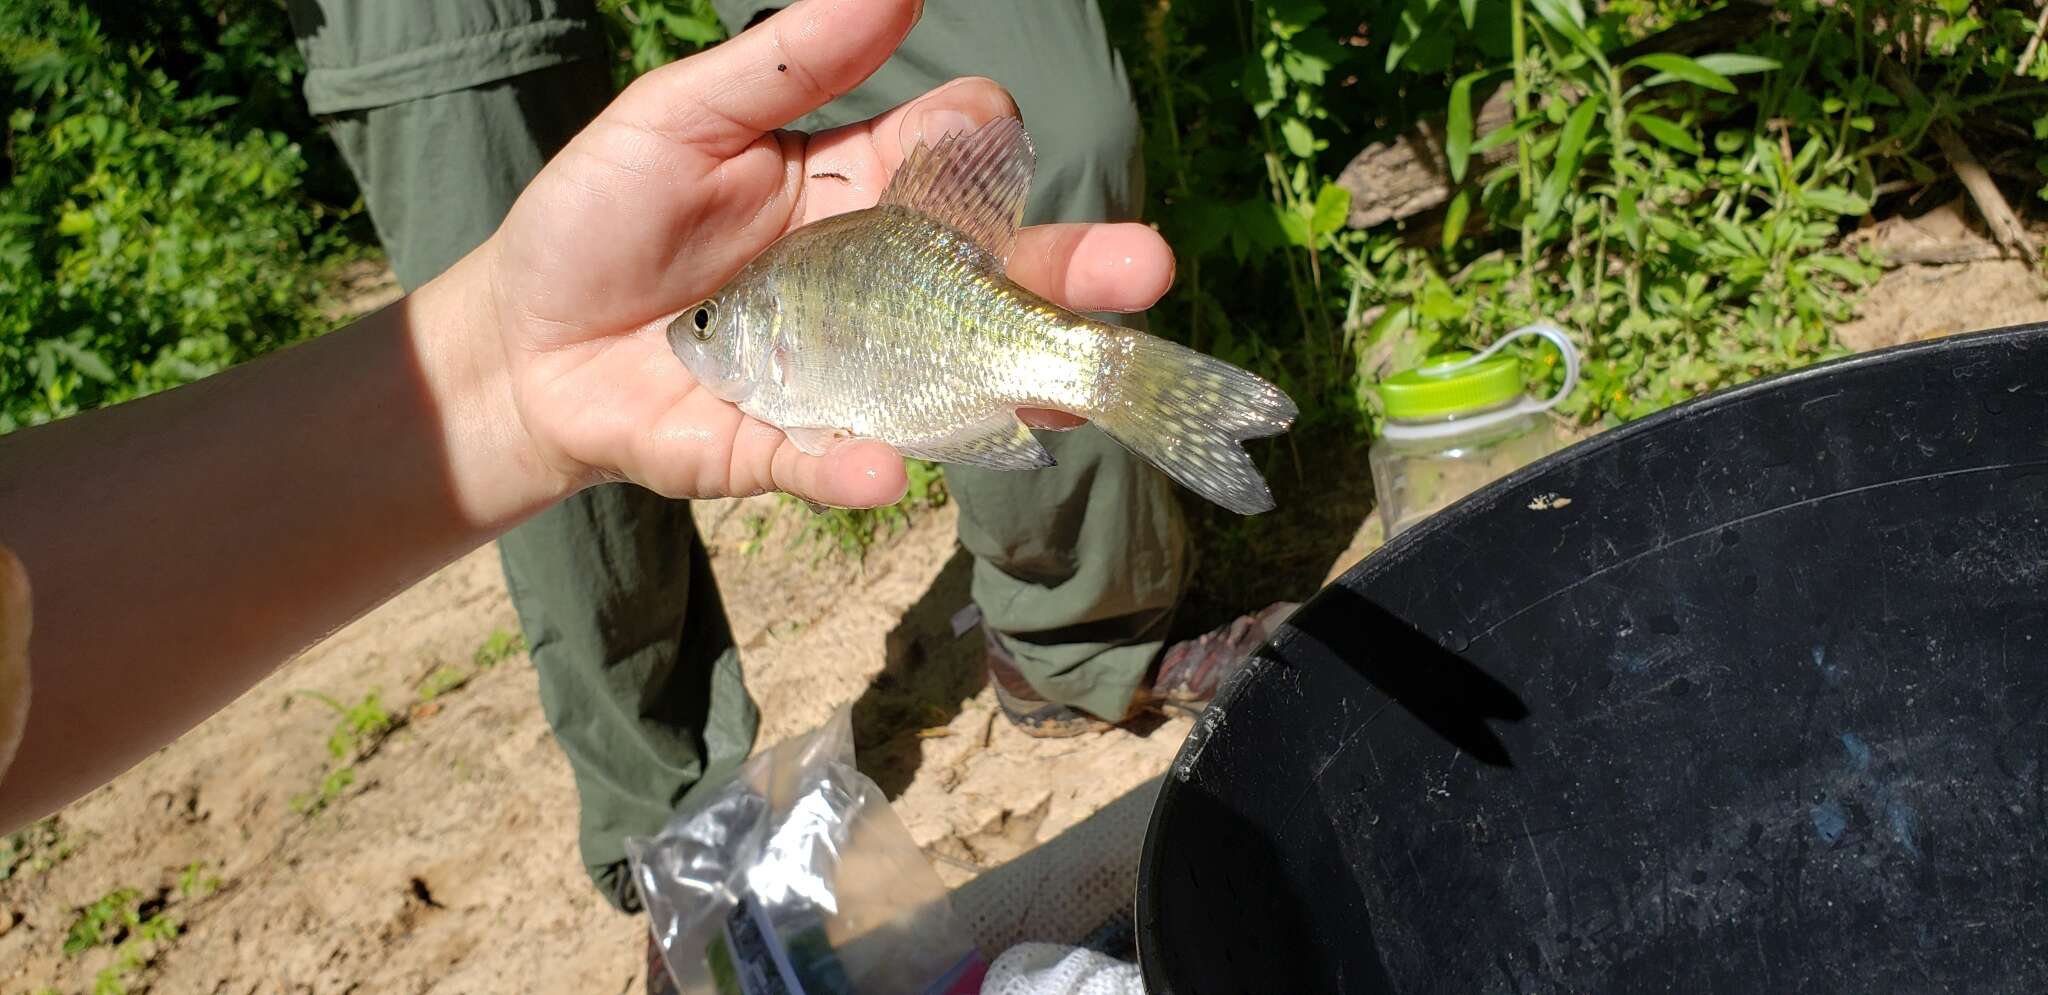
(797, 878)
(1053, 969)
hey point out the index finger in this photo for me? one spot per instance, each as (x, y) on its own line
(1094, 267)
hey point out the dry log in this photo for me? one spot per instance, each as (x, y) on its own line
(1949, 254)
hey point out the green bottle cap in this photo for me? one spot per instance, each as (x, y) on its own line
(1437, 390)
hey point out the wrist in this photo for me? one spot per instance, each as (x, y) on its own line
(498, 474)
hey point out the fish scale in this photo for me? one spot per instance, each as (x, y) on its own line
(899, 323)
(923, 270)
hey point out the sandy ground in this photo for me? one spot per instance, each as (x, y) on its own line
(448, 864)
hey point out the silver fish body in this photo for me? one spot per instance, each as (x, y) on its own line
(897, 323)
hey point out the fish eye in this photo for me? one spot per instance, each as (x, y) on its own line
(701, 318)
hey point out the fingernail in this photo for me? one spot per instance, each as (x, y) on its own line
(937, 123)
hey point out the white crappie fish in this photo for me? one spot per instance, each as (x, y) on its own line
(897, 323)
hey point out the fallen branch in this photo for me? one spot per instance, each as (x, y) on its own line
(2033, 44)
(2005, 226)
(1945, 254)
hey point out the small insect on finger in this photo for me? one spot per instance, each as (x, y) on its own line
(841, 177)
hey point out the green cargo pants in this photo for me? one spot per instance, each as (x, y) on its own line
(445, 111)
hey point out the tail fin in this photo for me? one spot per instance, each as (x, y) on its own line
(1187, 414)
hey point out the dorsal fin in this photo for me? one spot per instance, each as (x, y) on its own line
(975, 182)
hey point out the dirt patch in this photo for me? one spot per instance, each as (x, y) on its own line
(449, 863)
(1920, 301)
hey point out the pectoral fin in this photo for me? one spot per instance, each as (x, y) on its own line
(1001, 443)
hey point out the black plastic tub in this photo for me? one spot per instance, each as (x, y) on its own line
(1750, 696)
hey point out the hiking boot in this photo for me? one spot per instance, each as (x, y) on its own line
(1024, 707)
(1186, 677)
(1189, 673)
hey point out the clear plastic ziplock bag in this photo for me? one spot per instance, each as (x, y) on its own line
(797, 878)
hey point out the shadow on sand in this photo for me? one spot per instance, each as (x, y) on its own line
(1245, 564)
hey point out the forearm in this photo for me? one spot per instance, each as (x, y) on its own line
(182, 546)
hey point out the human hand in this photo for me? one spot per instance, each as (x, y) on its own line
(680, 182)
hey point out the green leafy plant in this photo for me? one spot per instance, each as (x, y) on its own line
(501, 645)
(442, 680)
(194, 881)
(138, 929)
(757, 525)
(359, 730)
(99, 922)
(1692, 266)
(359, 727)
(648, 34)
(160, 219)
(35, 848)
(1683, 213)
(332, 784)
(852, 532)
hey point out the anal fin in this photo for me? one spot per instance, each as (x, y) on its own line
(1001, 443)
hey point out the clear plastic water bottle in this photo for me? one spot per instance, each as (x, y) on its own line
(1457, 423)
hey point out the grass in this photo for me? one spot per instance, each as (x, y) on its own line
(196, 882)
(137, 929)
(500, 646)
(99, 921)
(443, 680)
(359, 730)
(35, 849)
(852, 533)
(757, 525)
